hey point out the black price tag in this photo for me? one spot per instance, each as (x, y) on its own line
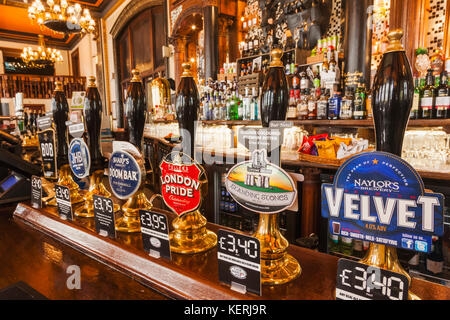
(155, 233)
(36, 192)
(63, 202)
(356, 281)
(239, 259)
(48, 153)
(104, 216)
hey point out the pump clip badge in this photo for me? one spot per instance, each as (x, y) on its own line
(79, 158)
(378, 197)
(260, 186)
(180, 183)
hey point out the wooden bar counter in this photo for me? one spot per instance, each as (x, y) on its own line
(37, 247)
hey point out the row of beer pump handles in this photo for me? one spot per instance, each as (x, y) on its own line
(189, 234)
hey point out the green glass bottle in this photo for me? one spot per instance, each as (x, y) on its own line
(427, 100)
(416, 101)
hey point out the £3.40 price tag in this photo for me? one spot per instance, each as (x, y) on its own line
(104, 216)
(356, 281)
(239, 261)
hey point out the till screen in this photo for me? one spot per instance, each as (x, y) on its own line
(8, 183)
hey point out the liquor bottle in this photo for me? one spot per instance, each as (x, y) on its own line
(334, 106)
(312, 106)
(322, 106)
(296, 80)
(275, 94)
(239, 107)
(256, 49)
(443, 98)
(347, 246)
(332, 64)
(25, 121)
(292, 110)
(246, 102)
(254, 108)
(346, 112)
(368, 94)
(427, 100)
(416, 101)
(302, 105)
(360, 112)
(435, 260)
(187, 103)
(304, 81)
(393, 92)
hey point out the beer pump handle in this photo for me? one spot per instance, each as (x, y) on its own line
(92, 110)
(187, 104)
(275, 93)
(136, 110)
(60, 111)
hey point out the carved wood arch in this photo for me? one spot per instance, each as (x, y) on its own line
(128, 13)
(185, 13)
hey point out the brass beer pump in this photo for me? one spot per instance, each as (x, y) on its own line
(277, 266)
(60, 110)
(393, 76)
(136, 111)
(92, 111)
(190, 235)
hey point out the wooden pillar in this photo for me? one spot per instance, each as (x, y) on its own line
(447, 31)
(179, 44)
(411, 16)
(210, 31)
(357, 43)
(225, 23)
(310, 214)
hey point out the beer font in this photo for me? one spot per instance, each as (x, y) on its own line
(393, 92)
(60, 110)
(136, 111)
(277, 267)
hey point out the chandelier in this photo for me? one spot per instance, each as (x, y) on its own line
(61, 17)
(42, 55)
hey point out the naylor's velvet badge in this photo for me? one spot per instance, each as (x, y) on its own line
(180, 183)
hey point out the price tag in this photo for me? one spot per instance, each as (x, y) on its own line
(36, 192)
(44, 122)
(48, 154)
(104, 216)
(76, 130)
(63, 202)
(239, 260)
(356, 281)
(155, 233)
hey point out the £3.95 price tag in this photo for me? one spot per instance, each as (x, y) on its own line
(239, 258)
(155, 233)
(104, 216)
(356, 281)
(36, 192)
(63, 202)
